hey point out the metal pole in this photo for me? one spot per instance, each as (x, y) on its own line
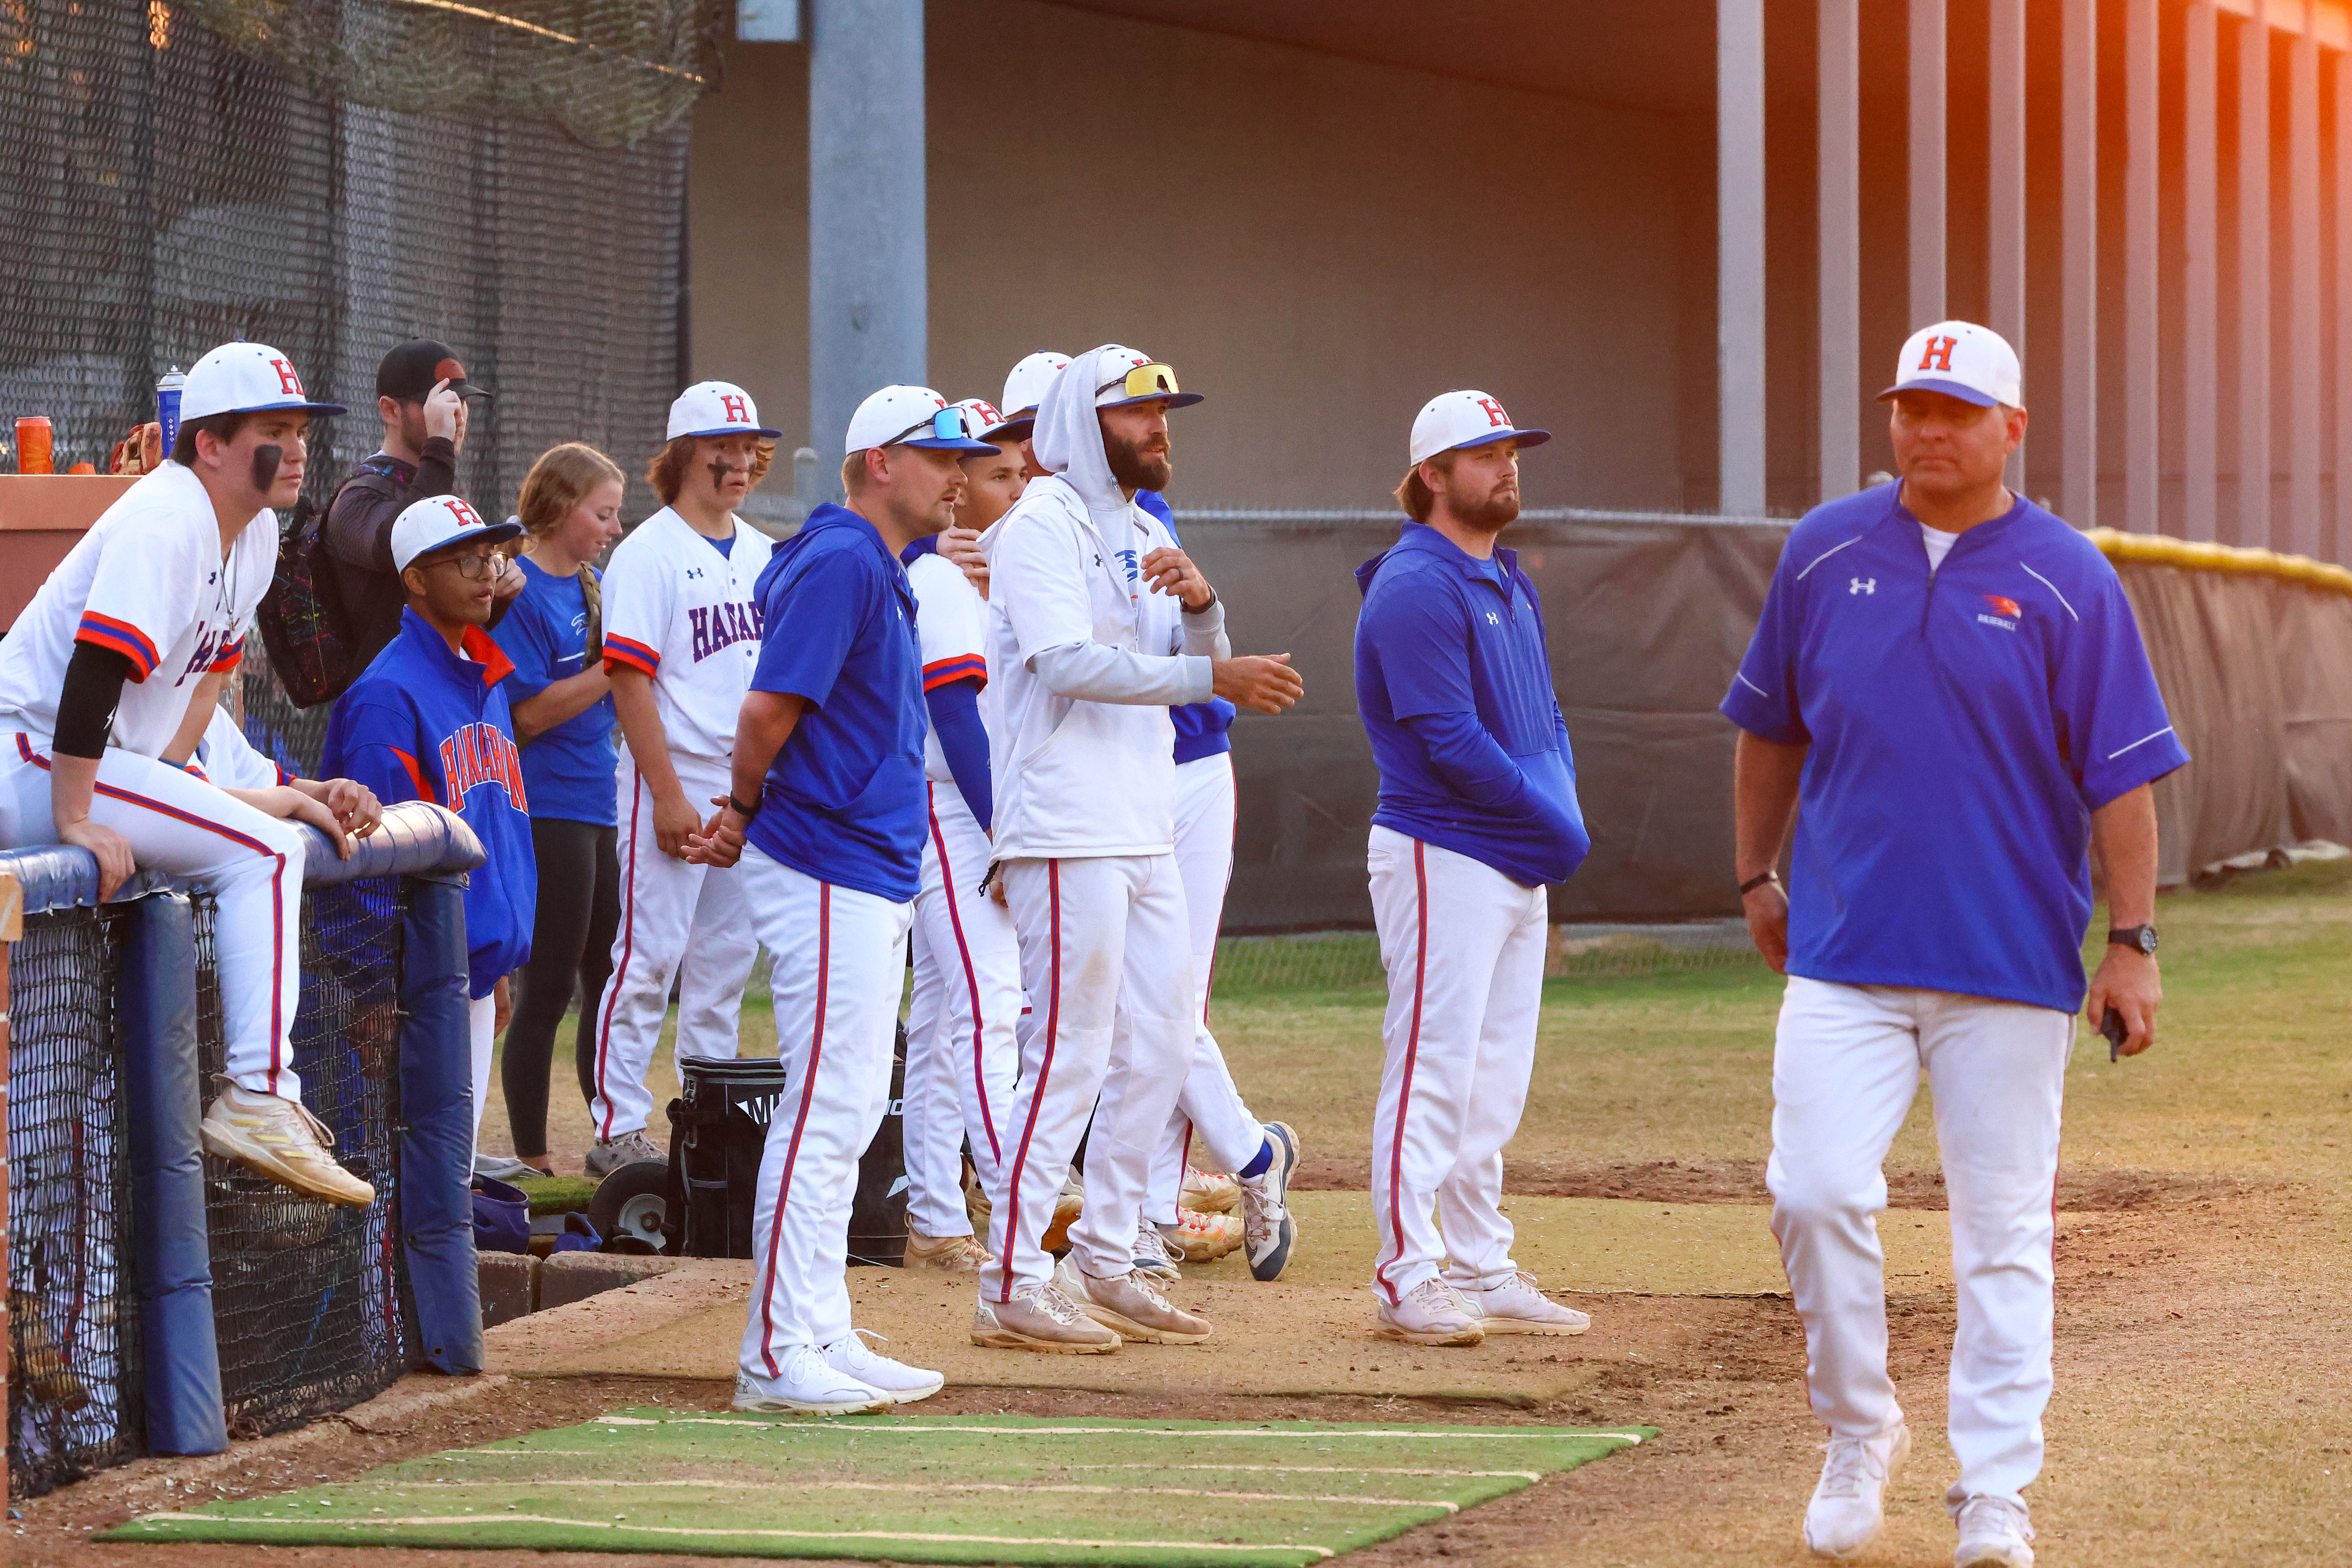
(2079, 245)
(2143, 468)
(2200, 280)
(2005, 230)
(868, 266)
(2304, 325)
(2343, 306)
(2253, 389)
(1739, 251)
(1840, 248)
(1928, 162)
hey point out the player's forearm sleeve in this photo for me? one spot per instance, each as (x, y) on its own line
(964, 741)
(1092, 672)
(86, 704)
(1480, 771)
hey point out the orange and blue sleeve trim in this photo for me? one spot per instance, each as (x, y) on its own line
(229, 656)
(947, 672)
(628, 651)
(122, 637)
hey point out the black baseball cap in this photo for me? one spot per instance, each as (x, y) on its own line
(410, 370)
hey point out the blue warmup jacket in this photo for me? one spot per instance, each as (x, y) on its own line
(424, 725)
(1453, 685)
(1961, 726)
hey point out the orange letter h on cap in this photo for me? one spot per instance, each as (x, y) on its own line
(1939, 354)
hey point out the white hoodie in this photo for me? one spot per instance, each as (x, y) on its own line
(1087, 656)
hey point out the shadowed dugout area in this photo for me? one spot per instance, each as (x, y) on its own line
(950, 1488)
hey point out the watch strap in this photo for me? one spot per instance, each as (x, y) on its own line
(745, 812)
(1753, 883)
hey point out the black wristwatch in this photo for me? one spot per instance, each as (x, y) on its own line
(2141, 939)
(745, 812)
(1754, 882)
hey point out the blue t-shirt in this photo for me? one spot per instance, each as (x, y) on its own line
(844, 801)
(571, 768)
(1963, 725)
(1200, 727)
(1450, 651)
(423, 724)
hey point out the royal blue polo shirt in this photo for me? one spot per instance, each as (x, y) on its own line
(1202, 727)
(1962, 725)
(843, 799)
(570, 769)
(1449, 638)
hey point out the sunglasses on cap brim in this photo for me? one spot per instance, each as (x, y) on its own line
(1149, 381)
(947, 425)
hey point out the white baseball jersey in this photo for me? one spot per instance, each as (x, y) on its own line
(1087, 775)
(950, 625)
(681, 612)
(147, 581)
(226, 759)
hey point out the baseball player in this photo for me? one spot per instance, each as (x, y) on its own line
(1478, 812)
(1100, 623)
(1948, 691)
(681, 640)
(109, 679)
(1260, 1154)
(428, 720)
(828, 790)
(962, 1057)
(1024, 390)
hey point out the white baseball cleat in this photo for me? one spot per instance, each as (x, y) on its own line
(279, 1139)
(809, 1385)
(1518, 1307)
(1267, 1228)
(1994, 1533)
(1430, 1314)
(1849, 1509)
(1209, 1192)
(905, 1385)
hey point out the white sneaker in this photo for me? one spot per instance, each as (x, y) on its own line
(1848, 1508)
(1153, 1256)
(1208, 1192)
(1430, 1314)
(1994, 1533)
(809, 1386)
(1267, 1229)
(279, 1139)
(611, 1153)
(904, 1384)
(1518, 1307)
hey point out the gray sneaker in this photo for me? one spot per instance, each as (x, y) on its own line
(1152, 1253)
(611, 1153)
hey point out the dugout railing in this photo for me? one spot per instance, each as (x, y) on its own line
(161, 1301)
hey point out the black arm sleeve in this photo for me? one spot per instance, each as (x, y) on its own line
(93, 688)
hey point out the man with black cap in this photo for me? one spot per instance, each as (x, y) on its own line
(424, 397)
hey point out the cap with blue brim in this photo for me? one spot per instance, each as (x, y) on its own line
(1457, 421)
(898, 417)
(717, 408)
(1961, 359)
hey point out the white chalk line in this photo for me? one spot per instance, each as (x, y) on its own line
(1145, 1465)
(680, 1529)
(1092, 1431)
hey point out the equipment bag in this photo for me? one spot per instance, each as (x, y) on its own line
(719, 1129)
(301, 615)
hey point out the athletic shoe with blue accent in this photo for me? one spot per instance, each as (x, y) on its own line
(1268, 1232)
(1153, 1256)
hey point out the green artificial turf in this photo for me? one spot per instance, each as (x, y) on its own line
(558, 1194)
(948, 1488)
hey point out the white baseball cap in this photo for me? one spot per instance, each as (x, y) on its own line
(245, 378)
(1962, 360)
(715, 408)
(430, 523)
(1025, 389)
(981, 420)
(911, 416)
(1124, 376)
(1452, 420)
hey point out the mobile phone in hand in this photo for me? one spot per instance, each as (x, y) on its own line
(2112, 1025)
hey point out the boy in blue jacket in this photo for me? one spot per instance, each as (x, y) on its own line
(428, 721)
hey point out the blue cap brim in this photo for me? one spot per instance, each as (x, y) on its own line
(729, 430)
(1173, 400)
(1524, 437)
(490, 532)
(959, 444)
(1948, 388)
(1012, 429)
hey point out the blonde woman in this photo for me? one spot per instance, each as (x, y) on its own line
(571, 513)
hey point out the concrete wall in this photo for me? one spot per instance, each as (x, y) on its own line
(1317, 244)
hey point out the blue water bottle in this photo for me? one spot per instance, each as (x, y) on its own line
(167, 407)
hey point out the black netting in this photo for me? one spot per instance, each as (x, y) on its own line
(168, 189)
(310, 1300)
(73, 1350)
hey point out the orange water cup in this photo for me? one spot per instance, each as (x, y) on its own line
(33, 446)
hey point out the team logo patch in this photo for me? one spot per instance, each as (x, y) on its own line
(2003, 607)
(1862, 585)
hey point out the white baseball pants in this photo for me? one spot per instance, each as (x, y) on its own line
(674, 914)
(250, 862)
(839, 962)
(963, 1053)
(1210, 1107)
(481, 1014)
(1463, 948)
(1107, 964)
(1845, 1069)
